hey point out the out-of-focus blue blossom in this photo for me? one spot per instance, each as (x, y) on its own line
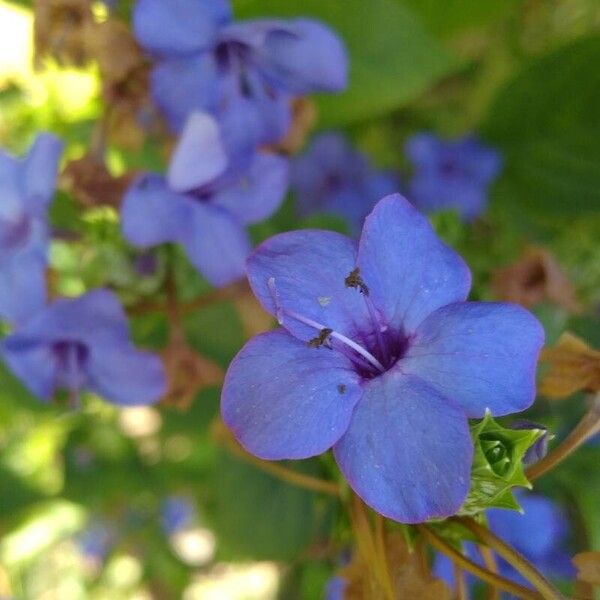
(95, 541)
(380, 357)
(451, 174)
(79, 343)
(177, 513)
(204, 203)
(335, 588)
(332, 176)
(26, 189)
(244, 73)
(538, 534)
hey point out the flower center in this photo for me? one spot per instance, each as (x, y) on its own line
(378, 348)
(71, 358)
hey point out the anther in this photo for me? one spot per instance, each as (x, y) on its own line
(354, 280)
(322, 339)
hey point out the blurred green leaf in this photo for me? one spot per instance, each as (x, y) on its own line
(392, 58)
(547, 122)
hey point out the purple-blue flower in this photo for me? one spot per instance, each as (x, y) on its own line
(451, 174)
(95, 541)
(332, 176)
(539, 534)
(177, 513)
(26, 189)
(83, 343)
(244, 73)
(205, 202)
(380, 357)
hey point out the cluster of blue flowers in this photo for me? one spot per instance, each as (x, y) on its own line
(70, 343)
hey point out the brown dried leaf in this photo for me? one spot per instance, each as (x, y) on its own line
(536, 277)
(90, 182)
(304, 118)
(573, 367)
(409, 579)
(187, 373)
(588, 567)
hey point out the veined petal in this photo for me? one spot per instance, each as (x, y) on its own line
(179, 27)
(216, 243)
(123, 375)
(410, 272)
(307, 270)
(408, 451)
(199, 156)
(259, 192)
(152, 213)
(283, 399)
(480, 354)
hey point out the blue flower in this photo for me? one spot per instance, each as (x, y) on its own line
(539, 534)
(96, 541)
(177, 513)
(205, 203)
(334, 177)
(79, 343)
(26, 189)
(243, 73)
(380, 357)
(452, 174)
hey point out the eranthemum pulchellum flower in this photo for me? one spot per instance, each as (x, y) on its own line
(451, 174)
(26, 189)
(205, 203)
(245, 73)
(380, 357)
(83, 343)
(332, 176)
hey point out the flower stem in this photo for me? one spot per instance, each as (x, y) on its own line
(468, 565)
(584, 430)
(489, 560)
(222, 435)
(462, 592)
(523, 566)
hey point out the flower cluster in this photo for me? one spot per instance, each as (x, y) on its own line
(380, 357)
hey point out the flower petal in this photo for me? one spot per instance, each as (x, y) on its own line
(258, 194)
(199, 156)
(178, 27)
(480, 354)
(308, 269)
(152, 213)
(283, 399)
(40, 171)
(126, 376)
(410, 272)
(216, 244)
(408, 451)
(181, 86)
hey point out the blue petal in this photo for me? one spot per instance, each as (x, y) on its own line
(40, 170)
(123, 375)
(152, 213)
(480, 354)
(22, 286)
(408, 451)
(309, 268)
(179, 27)
(410, 272)
(258, 193)
(199, 156)
(216, 244)
(181, 86)
(283, 399)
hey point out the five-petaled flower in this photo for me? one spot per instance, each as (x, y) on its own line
(451, 174)
(77, 343)
(380, 357)
(205, 201)
(332, 176)
(244, 73)
(26, 189)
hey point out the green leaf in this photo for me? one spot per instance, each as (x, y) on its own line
(392, 58)
(497, 465)
(547, 122)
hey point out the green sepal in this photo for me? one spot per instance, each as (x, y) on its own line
(497, 465)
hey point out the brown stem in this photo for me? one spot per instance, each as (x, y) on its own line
(489, 560)
(522, 565)
(464, 563)
(222, 435)
(584, 430)
(382, 554)
(462, 592)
